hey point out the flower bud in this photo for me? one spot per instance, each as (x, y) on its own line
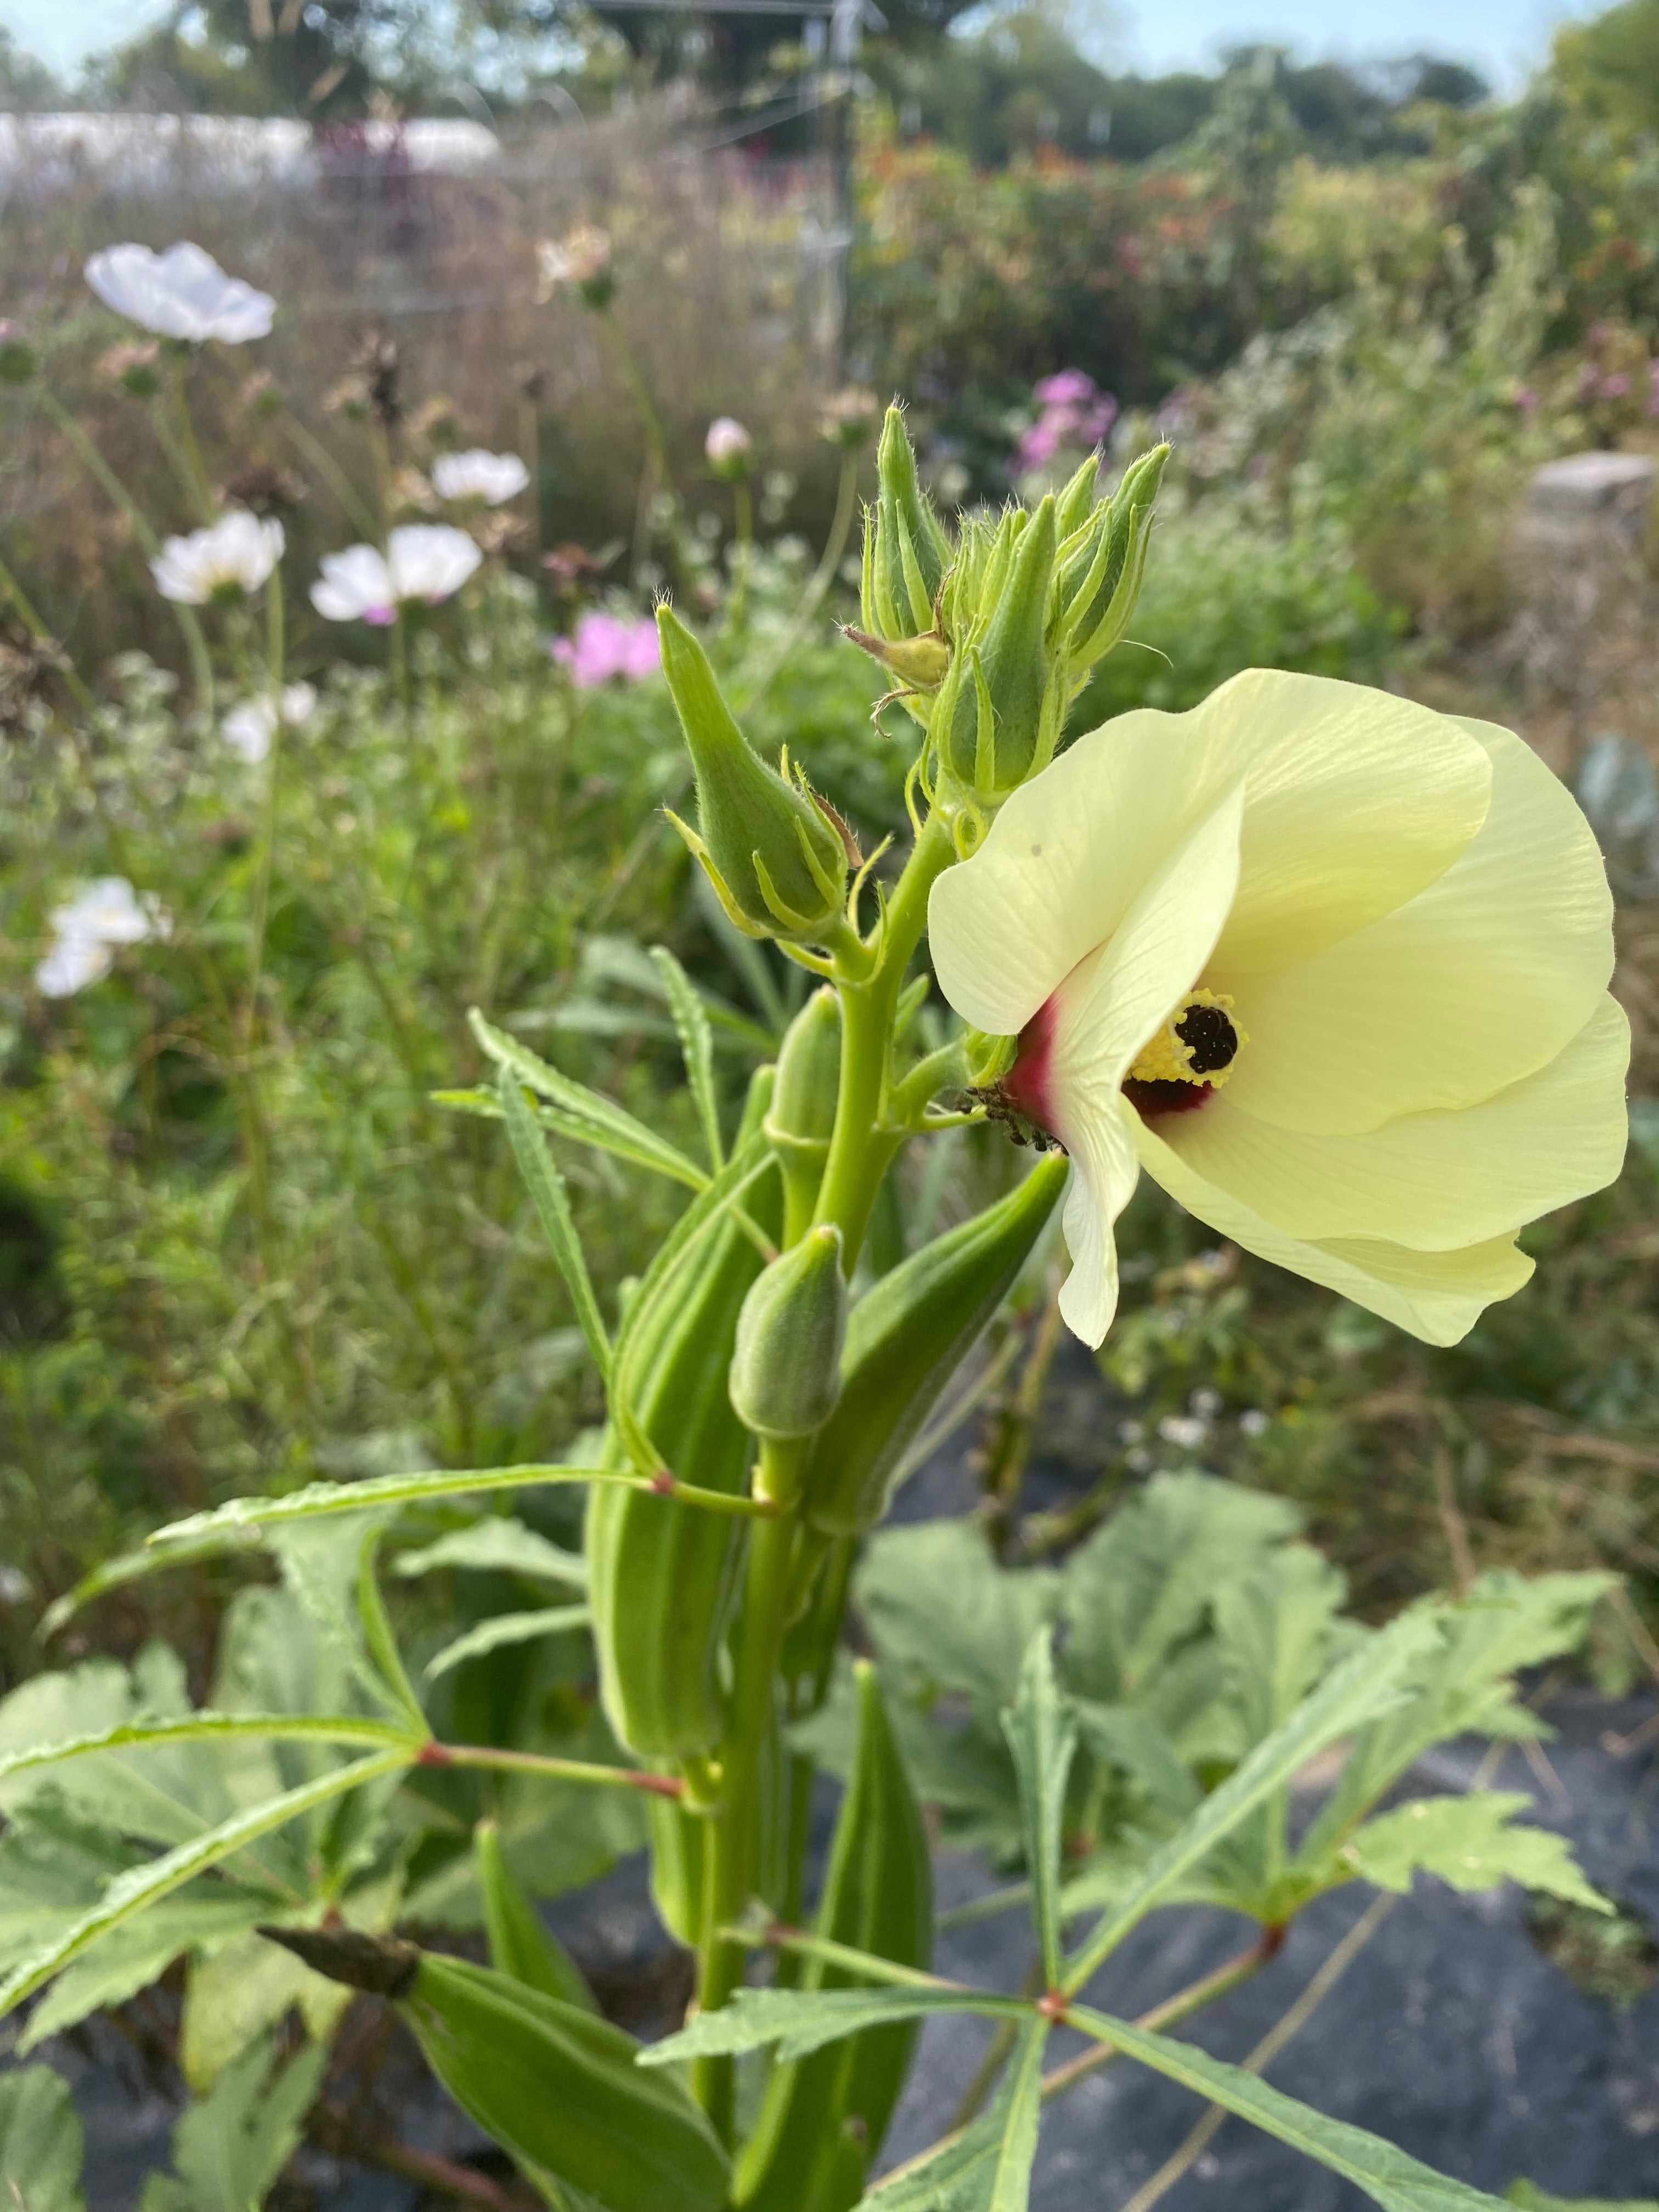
(1000, 712)
(809, 1076)
(785, 1376)
(906, 552)
(727, 449)
(1101, 565)
(775, 854)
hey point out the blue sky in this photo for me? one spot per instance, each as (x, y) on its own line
(1504, 37)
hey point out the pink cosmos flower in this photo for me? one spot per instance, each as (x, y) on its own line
(607, 645)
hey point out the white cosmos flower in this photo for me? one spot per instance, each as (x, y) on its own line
(423, 560)
(85, 931)
(180, 294)
(249, 728)
(235, 555)
(492, 477)
(1331, 967)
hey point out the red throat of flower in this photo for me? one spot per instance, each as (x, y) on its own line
(1025, 1086)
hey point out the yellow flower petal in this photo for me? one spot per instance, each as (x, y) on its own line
(1477, 982)
(1435, 1296)
(1431, 1181)
(1103, 1013)
(1354, 802)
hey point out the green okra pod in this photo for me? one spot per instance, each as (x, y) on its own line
(556, 2086)
(662, 1575)
(877, 1897)
(905, 1339)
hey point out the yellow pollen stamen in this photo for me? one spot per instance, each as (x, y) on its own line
(1168, 1057)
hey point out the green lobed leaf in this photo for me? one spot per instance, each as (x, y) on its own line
(1142, 1583)
(1469, 1843)
(803, 2021)
(1041, 1733)
(696, 1044)
(1461, 1683)
(551, 1200)
(130, 1957)
(228, 2149)
(40, 2143)
(497, 1545)
(1366, 1684)
(131, 1893)
(1394, 2180)
(504, 1628)
(586, 1116)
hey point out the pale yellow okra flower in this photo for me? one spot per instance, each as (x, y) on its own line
(1331, 967)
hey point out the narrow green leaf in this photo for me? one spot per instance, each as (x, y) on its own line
(112, 1574)
(988, 2167)
(483, 1102)
(1366, 1685)
(1042, 1734)
(498, 1545)
(246, 1519)
(589, 1116)
(504, 1628)
(803, 2021)
(1531, 2198)
(378, 1631)
(321, 1728)
(552, 1203)
(40, 2143)
(1469, 1844)
(1396, 2181)
(131, 1893)
(697, 1043)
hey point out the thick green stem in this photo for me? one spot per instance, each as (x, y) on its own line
(734, 1827)
(863, 1143)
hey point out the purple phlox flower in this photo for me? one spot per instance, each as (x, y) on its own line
(1526, 399)
(1068, 387)
(1038, 445)
(606, 645)
(1616, 386)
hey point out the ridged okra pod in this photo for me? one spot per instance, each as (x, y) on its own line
(877, 1897)
(905, 1339)
(662, 1576)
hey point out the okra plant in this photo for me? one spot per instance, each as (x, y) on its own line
(1331, 967)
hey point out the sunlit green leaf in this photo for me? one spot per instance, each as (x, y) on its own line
(40, 2145)
(1471, 1844)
